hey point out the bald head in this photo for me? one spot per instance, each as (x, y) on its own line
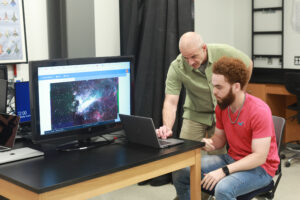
(190, 40)
(193, 49)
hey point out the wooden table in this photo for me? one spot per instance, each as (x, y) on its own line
(86, 174)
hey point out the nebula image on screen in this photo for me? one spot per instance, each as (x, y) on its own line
(83, 102)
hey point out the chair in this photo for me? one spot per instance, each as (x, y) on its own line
(269, 190)
(292, 84)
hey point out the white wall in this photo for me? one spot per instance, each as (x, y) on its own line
(291, 37)
(242, 25)
(228, 21)
(107, 27)
(214, 20)
(80, 28)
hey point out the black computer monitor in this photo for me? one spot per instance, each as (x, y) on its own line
(22, 102)
(76, 99)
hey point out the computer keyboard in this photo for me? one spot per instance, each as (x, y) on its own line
(19, 154)
(163, 142)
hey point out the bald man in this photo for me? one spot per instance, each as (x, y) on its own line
(193, 69)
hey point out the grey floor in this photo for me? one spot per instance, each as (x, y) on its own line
(288, 188)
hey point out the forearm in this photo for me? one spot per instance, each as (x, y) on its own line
(260, 151)
(249, 162)
(169, 115)
(218, 141)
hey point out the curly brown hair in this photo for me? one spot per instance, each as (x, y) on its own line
(234, 70)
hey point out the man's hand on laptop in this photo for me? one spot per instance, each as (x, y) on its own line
(164, 132)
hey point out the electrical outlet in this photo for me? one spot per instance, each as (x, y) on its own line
(296, 60)
(270, 61)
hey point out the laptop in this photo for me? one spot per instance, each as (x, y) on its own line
(19, 154)
(141, 130)
(8, 130)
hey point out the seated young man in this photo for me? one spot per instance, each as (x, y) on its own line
(245, 123)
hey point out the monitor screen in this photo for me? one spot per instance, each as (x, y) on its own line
(22, 101)
(79, 98)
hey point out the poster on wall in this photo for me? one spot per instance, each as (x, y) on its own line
(12, 32)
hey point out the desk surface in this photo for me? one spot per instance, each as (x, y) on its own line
(60, 169)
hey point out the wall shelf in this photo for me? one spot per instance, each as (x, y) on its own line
(266, 56)
(267, 32)
(268, 9)
(267, 36)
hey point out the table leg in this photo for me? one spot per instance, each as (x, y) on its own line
(195, 177)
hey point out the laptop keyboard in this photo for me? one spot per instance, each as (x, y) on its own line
(163, 142)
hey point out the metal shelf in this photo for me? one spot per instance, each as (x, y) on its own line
(267, 9)
(267, 32)
(267, 56)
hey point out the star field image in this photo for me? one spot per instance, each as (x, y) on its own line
(83, 102)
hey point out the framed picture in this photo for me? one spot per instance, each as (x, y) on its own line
(12, 32)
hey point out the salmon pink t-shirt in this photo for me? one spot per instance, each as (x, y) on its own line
(254, 121)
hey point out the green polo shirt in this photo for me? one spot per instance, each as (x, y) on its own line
(200, 102)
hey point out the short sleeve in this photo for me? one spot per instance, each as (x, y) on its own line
(262, 123)
(219, 122)
(173, 82)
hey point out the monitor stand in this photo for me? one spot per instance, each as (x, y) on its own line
(82, 145)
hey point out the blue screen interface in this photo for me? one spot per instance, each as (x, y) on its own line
(22, 101)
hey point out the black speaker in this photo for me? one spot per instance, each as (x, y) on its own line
(3, 95)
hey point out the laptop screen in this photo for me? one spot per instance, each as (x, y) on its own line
(8, 129)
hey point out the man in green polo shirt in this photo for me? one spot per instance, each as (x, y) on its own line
(193, 69)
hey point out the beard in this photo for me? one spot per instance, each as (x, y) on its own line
(227, 100)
